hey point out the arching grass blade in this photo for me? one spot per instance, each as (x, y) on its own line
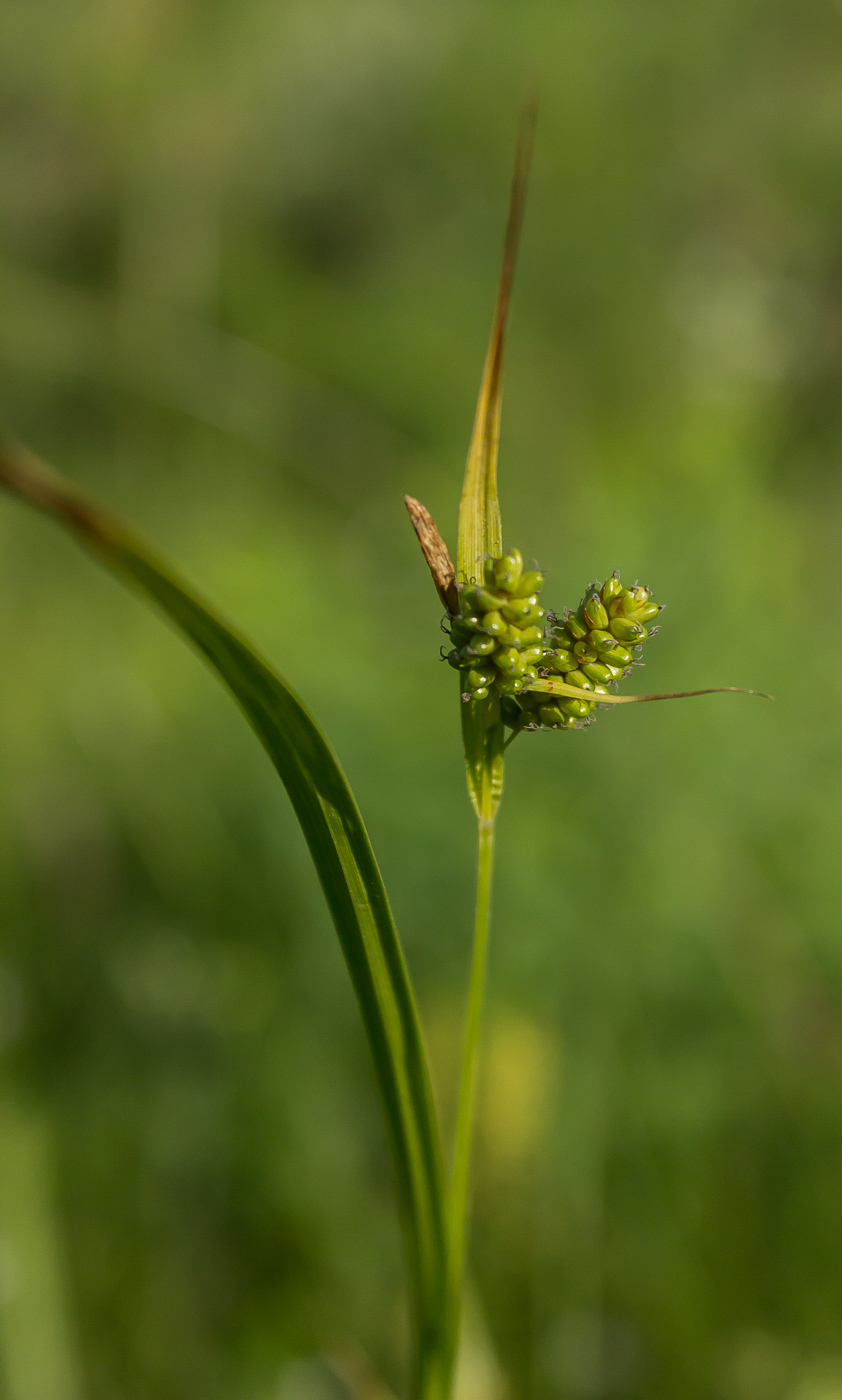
(346, 866)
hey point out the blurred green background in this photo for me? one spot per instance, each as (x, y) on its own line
(247, 266)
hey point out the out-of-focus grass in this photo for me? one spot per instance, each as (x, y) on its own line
(247, 260)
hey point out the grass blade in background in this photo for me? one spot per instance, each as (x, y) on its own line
(347, 869)
(38, 1353)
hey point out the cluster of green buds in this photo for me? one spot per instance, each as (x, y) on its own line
(592, 648)
(498, 637)
(503, 643)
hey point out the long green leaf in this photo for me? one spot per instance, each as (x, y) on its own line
(345, 862)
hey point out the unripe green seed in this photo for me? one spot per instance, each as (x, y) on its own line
(577, 629)
(481, 693)
(564, 661)
(576, 709)
(533, 655)
(627, 631)
(535, 614)
(599, 674)
(594, 613)
(644, 613)
(507, 659)
(531, 582)
(508, 570)
(611, 588)
(526, 636)
(520, 609)
(620, 657)
(494, 624)
(481, 679)
(476, 599)
(550, 715)
(509, 685)
(579, 679)
(471, 622)
(616, 671)
(455, 659)
(481, 646)
(584, 651)
(630, 602)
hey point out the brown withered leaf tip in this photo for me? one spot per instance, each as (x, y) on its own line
(435, 552)
(25, 475)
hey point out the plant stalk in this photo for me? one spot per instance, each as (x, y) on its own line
(466, 1108)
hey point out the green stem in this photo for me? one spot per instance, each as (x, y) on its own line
(434, 1369)
(460, 1178)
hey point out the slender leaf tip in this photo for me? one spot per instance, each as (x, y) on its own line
(480, 528)
(553, 687)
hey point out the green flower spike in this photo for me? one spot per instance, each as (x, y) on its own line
(502, 643)
(498, 636)
(590, 649)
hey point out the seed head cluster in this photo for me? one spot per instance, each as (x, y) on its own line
(499, 639)
(504, 641)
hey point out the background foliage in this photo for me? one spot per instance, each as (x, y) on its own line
(247, 266)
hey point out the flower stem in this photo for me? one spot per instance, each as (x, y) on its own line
(460, 1177)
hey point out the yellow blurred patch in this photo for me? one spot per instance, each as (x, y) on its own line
(520, 1076)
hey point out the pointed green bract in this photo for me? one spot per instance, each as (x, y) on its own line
(346, 866)
(554, 687)
(480, 531)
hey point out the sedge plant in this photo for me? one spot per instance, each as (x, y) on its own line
(520, 668)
